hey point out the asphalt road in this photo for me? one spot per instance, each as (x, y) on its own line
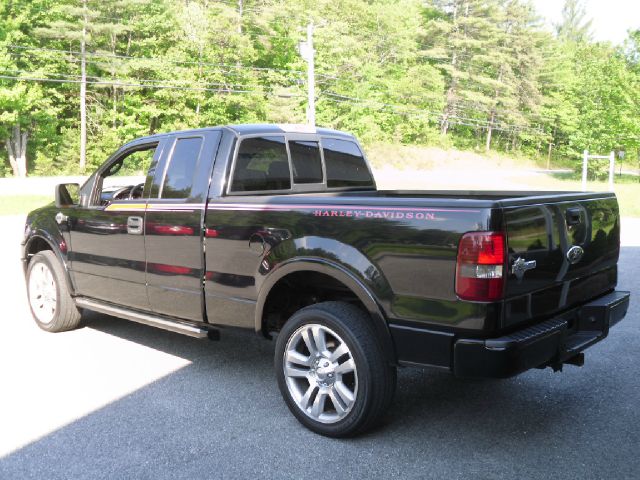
(120, 400)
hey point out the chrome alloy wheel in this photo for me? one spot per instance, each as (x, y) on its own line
(320, 373)
(43, 295)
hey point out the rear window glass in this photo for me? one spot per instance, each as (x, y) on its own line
(306, 162)
(344, 164)
(262, 164)
(179, 174)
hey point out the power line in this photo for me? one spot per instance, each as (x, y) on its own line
(160, 59)
(236, 88)
(139, 80)
(106, 65)
(390, 105)
(397, 109)
(452, 119)
(18, 72)
(142, 85)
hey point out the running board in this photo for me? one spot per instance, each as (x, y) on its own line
(144, 318)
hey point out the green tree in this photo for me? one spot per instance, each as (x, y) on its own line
(470, 73)
(462, 38)
(607, 98)
(559, 112)
(27, 108)
(71, 24)
(517, 99)
(574, 26)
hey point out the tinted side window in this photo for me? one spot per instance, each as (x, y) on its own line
(306, 162)
(179, 174)
(344, 164)
(133, 164)
(262, 164)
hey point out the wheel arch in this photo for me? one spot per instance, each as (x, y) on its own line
(340, 275)
(39, 241)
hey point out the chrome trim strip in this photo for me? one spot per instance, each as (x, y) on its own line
(144, 318)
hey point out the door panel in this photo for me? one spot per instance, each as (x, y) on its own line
(173, 227)
(107, 247)
(174, 259)
(108, 263)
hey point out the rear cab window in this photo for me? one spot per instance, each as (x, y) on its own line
(262, 164)
(278, 163)
(306, 161)
(178, 177)
(345, 164)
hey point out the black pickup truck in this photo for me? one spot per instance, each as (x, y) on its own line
(281, 230)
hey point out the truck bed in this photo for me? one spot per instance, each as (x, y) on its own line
(410, 240)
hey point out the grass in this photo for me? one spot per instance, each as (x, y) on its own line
(627, 188)
(628, 199)
(628, 196)
(417, 157)
(518, 171)
(15, 205)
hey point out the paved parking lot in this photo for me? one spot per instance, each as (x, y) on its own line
(120, 400)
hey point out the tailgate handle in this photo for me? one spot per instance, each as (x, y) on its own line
(572, 216)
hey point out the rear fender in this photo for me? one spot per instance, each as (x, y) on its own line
(339, 273)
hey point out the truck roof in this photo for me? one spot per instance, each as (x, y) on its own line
(257, 129)
(279, 128)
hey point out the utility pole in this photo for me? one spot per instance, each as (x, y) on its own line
(308, 53)
(83, 89)
(311, 77)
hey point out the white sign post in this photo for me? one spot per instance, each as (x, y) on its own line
(612, 161)
(585, 159)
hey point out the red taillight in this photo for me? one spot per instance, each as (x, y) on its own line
(480, 266)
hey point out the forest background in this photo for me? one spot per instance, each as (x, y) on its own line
(480, 75)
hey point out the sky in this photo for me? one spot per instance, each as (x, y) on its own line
(611, 18)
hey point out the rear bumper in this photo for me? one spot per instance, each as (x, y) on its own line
(549, 343)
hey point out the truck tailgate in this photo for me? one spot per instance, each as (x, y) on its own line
(561, 253)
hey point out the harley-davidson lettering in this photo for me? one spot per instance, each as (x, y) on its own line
(389, 214)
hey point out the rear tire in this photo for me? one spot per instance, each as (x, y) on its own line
(50, 302)
(332, 371)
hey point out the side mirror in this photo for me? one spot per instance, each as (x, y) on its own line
(67, 194)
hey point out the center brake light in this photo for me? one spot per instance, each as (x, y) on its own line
(480, 267)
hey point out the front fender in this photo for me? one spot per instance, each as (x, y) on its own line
(42, 228)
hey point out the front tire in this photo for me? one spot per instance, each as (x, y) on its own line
(50, 302)
(331, 369)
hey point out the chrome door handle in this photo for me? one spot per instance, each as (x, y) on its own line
(134, 225)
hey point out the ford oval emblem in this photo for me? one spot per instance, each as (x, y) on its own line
(574, 255)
